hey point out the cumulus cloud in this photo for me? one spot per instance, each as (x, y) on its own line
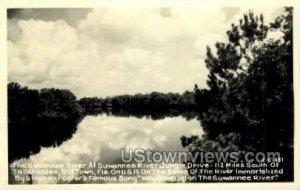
(47, 54)
(117, 50)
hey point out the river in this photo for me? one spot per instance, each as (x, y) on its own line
(101, 138)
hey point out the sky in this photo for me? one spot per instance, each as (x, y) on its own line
(117, 50)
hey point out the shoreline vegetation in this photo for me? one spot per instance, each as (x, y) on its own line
(248, 105)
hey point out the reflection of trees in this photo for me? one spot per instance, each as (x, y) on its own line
(39, 119)
(154, 114)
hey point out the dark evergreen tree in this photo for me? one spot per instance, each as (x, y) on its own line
(251, 90)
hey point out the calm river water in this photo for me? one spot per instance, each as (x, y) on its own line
(100, 138)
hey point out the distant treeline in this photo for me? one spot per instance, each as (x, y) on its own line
(143, 103)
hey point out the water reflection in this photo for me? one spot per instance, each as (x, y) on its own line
(155, 114)
(100, 138)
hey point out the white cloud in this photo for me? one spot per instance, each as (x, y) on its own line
(46, 55)
(117, 51)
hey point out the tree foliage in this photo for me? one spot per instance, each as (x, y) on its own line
(250, 93)
(39, 119)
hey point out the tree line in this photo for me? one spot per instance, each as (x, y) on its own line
(155, 101)
(39, 118)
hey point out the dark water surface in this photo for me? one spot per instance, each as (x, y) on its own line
(101, 138)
